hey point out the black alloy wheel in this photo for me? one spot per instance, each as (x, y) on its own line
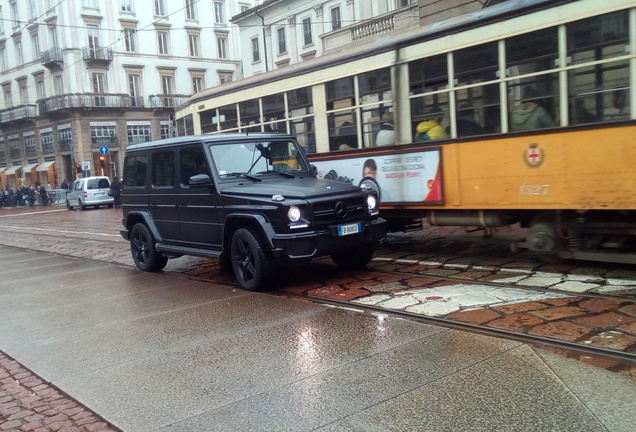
(144, 253)
(252, 265)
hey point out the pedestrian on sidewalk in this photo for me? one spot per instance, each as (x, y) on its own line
(115, 191)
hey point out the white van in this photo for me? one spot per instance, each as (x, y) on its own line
(89, 191)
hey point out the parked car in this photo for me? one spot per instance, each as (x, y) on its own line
(89, 192)
(251, 200)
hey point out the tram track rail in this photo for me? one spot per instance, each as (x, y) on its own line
(486, 331)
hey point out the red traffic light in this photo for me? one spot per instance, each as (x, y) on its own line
(102, 158)
(78, 166)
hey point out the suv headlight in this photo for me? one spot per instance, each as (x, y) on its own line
(372, 203)
(294, 214)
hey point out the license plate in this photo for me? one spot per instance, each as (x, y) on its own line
(99, 194)
(344, 230)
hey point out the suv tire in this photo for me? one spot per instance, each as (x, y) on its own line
(142, 248)
(252, 266)
(68, 205)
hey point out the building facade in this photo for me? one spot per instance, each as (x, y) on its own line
(279, 33)
(83, 79)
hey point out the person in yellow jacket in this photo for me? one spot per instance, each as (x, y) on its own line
(430, 130)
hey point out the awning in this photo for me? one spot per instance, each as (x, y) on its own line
(29, 167)
(45, 166)
(12, 169)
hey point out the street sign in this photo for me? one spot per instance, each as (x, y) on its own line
(103, 150)
(86, 165)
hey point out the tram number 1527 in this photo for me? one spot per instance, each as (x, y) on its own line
(534, 189)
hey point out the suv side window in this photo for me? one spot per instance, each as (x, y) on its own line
(192, 162)
(163, 169)
(78, 185)
(135, 172)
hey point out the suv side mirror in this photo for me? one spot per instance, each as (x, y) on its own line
(199, 180)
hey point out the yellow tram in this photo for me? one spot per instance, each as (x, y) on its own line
(520, 113)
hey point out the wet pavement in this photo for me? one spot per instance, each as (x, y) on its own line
(441, 274)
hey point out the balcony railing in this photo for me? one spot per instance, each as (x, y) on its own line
(167, 100)
(136, 101)
(18, 113)
(97, 53)
(109, 141)
(84, 100)
(52, 57)
(394, 21)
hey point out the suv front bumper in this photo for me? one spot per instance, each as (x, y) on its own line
(320, 242)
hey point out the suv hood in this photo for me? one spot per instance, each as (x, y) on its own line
(296, 188)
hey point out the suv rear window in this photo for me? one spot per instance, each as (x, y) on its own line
(97, 184)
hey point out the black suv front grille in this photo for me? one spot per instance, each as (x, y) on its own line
(339, 210)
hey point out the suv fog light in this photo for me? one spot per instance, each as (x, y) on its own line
(294, 214)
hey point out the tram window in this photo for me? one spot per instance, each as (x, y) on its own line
(534, 103)
(376, 82)
(598, 38)
(478, 110)
(250, 113)
(304, 131)
(428, 74)
(476, 64)
(300, 98)
(338, 91)
(228, 117)
(532, 52)
(209, 120)
(274, 109)
(343, 133)
(599, 93)
(430, 118)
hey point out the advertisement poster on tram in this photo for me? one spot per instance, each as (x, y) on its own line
(410, 177)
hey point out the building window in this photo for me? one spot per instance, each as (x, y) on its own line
(1, 22)
(190, 9)
(32, 9)
(138, 134)
(66, 139)
(126, 5)
(58, 84)
(225, 77)
(219, 15)
(197, 84)
(4, 64)
(90, 4)
(336, 21)
(53, 37)
(307, 36)
(244, 7)
(167, 90)
(160, 7)
(15, 17)
(256, 53)
(221, 43)
(130, 40)
(193, 45)
(39, 88)
(14, 148)
(30, 145)
(18, 53)
(162, 40)
(8, 98)
(103, 135)
(282, 43)
(165, 130)
(47, 142)
(134, 88)
(35, 42)
(24, 96)
(93, 39)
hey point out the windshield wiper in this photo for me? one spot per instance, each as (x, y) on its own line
(240, 174)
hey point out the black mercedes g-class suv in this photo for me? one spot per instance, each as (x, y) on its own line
(251, 200)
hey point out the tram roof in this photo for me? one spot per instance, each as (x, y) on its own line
(382, 44)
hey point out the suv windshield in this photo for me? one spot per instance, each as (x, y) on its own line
(257, 158)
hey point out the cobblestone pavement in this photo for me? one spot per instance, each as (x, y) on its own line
(29, 404)
(438, 272)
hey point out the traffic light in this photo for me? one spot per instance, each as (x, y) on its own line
(102, 161)
(78, 168)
